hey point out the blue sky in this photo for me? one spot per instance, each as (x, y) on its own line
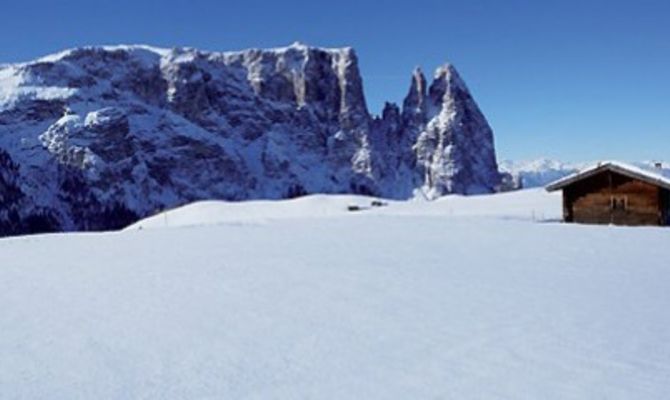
(574, 80)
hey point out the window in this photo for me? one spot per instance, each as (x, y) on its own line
(619, 203)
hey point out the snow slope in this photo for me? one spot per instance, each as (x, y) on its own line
(534, 204)
(463, 298)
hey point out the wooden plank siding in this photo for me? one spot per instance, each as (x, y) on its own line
(612, 198)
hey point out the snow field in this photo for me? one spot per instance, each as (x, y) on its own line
(404, 301)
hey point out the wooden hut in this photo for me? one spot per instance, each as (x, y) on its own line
(615, 193)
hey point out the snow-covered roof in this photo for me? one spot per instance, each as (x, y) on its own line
(649, 176)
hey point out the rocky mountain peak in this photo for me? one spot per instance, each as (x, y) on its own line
(447, 87)
(454, 143)
(414, 106)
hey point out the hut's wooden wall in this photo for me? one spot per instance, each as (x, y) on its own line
(590, 201)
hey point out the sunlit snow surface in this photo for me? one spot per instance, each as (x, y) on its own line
(461, 298)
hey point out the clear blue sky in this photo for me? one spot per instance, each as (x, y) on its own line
(574, 80)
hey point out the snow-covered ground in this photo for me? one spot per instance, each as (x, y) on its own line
(465, 298)
(533, 204)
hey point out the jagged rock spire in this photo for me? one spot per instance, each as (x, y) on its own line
(455, 149)
(414, 104)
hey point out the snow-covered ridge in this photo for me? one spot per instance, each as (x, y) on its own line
(540, 172)
(133, 49)
(530, 204)
(143, 49)
(97, 137)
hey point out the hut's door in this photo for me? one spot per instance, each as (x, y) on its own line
(618, 208)
(665, 207)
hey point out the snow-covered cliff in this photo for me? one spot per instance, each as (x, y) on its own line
(97, 137)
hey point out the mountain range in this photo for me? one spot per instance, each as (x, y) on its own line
(95, 138)
(542, 171)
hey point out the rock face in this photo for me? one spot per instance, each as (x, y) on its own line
(94, 138)
(454, 145)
